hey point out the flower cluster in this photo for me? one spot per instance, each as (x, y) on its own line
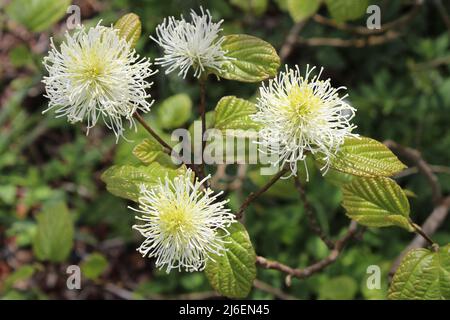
(302, 114)
(96, 74)
(181, 223)
(194, 44)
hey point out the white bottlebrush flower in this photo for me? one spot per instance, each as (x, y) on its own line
(97, 74)
(181, 223)
(195, 44)
(300, 115)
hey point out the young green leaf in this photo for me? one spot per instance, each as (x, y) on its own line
(422, 275)
(54, 237)
(344, 10)
(175, 111)
(234, 113)
(232, 273)
(130, 28)
(302, 9)
(148, 150)
(376, 202)
(361, 156)
(94, 265)
(37, 15)
(125, 181)
(253, 59)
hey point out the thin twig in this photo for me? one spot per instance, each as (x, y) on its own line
(419, 231)
(345, 43)
(260, 285)
(313, 223)
(398, 23)
(291, 40)
(435, 63)
(167, 148)
(413, 170)
(238, 180)
(128, 295)
(141, 120)
(415, 157)
(316, 267)
(252, 196)
(429, 227)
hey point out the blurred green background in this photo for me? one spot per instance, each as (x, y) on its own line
(50, 170)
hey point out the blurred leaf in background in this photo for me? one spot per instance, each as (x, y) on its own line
(55, 231)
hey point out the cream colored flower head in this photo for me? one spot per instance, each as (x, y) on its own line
(195, 44)
(301, 115)
(96, 74)
(180, 222)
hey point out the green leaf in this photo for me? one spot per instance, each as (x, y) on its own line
(337, 178)
(37, 15)
(422, 275)
(175, 111)
(282, 4)
(148, 150)
(234, 113)
(8, 194)
(339, 288)
(302, 9)
(344, 10)
(20, 56)
(253, 59)
(54, 236)
(21, 274)
(376, 202)
(130, 28)
(257, 7)
(365, 157)
(232, 273)
(125, 181)
(94, 266)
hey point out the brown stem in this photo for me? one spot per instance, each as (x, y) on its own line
(260, 285)
(416, 158)
(360, 42)
(429, 227)
(167, 147)
(141, 120)
(419, 230)
(313, 223)
(291, 40)
(395, 24)
(315, 267)
(252, 196)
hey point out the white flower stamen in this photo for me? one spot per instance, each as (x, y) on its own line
(97, 74)
(181, 223)
(194, 44)
(301, 115)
